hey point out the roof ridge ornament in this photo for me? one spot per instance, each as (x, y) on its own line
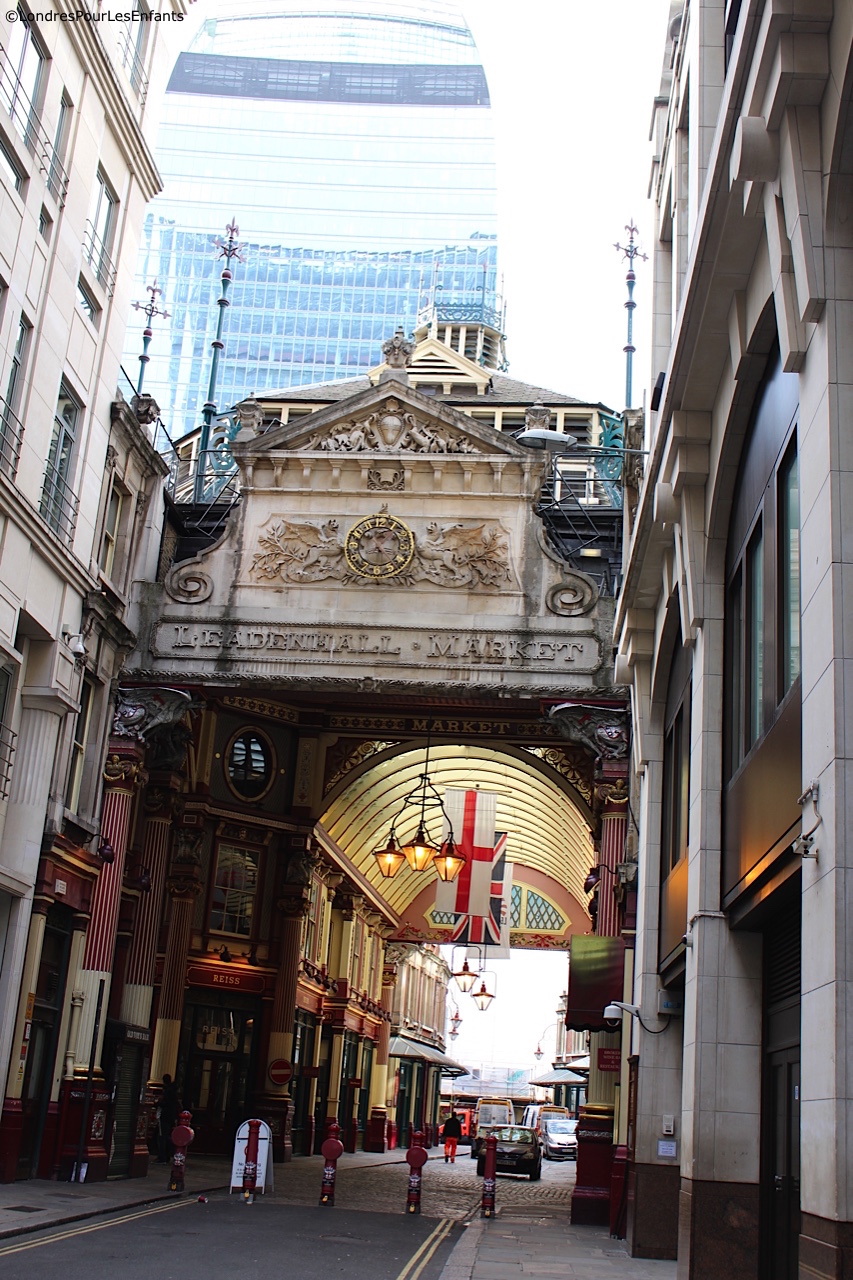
(398, 352)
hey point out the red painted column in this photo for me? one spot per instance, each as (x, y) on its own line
(122, 773)
(184, 885)
(278, 1108)
(139, 983)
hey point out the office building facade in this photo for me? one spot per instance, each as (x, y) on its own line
(734, 632)
(355, 153)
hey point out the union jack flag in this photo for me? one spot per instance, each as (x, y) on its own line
(476, 897)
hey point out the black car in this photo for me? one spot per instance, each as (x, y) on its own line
(518, 1152)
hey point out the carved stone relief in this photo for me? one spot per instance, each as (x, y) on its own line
(602, 731)
(473, 556)
(389, 430)
(140, 711)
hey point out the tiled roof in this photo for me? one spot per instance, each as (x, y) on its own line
(501, 391)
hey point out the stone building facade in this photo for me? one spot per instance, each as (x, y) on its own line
(733, 629)
(77, 476)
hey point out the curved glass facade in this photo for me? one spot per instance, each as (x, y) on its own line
(355, 152)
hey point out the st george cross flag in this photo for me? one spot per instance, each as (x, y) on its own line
(477, 896)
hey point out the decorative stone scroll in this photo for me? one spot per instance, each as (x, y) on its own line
(463, 555)
(391, 429)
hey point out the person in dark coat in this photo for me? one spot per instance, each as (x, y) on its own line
(451, 1133)
(167, 1113)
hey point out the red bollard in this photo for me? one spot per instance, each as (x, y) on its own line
(250, 1164)
(416, 1158)
(332, 1150)
(490, 1165)
(182, 1135)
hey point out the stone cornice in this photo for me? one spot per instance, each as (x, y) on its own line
(95, 60)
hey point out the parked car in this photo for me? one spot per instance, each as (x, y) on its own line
(518, 1152)
(559, 1139)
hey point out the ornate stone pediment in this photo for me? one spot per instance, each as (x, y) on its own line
(391, 418)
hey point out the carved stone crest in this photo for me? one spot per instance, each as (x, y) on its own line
(398, 351)
(537, 417)
(391, 428)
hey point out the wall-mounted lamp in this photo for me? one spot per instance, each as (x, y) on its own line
(106, 852)
(224, 954)
(139, 877)
(804, 842)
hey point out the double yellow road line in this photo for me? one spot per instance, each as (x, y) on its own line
(418, 1261)
(411, 1271)
(5, 1250)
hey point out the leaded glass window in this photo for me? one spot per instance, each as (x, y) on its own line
(542, 915)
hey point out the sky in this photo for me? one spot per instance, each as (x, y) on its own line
(572, 87)
(527, 990)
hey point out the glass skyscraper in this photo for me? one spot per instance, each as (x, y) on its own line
(353, 146)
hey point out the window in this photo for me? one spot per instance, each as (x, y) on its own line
(57, 179)
(676, 787)
(87, 304)
(309, 928)
(132, 45)
(754, 638)
(58, 503)
(234, 887)
(11, 428)
(99, 232)
(789, 570)
(22, 76)
(7, 737)
(45, 224)
(112, 522)
(249, 764)
(78, 745)
(10, 169)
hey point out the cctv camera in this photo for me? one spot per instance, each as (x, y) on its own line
(614, 1011)
(77, 647)
(687, 939)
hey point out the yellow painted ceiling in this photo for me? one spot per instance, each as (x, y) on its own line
(545, 828)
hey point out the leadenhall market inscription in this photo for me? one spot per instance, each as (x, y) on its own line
(439, 647)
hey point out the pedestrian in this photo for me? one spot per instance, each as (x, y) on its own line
(451, 1133)
(167, 1117)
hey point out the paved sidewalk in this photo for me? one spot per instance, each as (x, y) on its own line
(512, 1245)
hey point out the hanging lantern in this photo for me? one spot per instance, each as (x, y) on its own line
(390, 859)
(465, 979)
(482, 998)
(419, 853)
(449, 861)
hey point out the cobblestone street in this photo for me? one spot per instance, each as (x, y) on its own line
(448, 1190)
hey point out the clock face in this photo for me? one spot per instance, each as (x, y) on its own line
(379, 547)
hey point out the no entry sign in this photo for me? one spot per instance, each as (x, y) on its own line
(280, 1071)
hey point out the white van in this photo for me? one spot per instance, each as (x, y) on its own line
(537, 1114)
(490, 1113)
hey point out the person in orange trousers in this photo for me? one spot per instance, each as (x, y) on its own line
(451, 1133)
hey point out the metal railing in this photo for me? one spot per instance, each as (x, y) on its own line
(58, 504)
(11, 435)
(133, 64)
(95, 253)
(8, 743)
(26, 121)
